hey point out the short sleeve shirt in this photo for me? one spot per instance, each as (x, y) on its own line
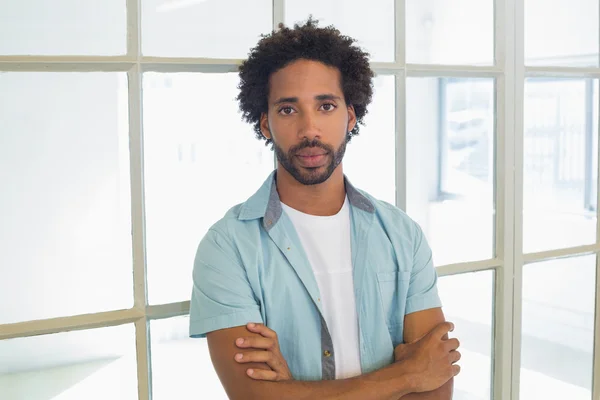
(251, 267)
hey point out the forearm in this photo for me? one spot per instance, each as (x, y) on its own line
(443, 393)
(387, 383)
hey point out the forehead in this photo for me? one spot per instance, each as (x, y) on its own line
(305, 78)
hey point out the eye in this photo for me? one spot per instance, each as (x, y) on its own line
(286, 110)
(328, 107)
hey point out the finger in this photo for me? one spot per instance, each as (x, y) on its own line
(442, 329)
(257, 342)
(454, 356)
(455, 369)
(452, 344)
(261, 356)
(417, 339)
(254, 356)
(262, 375)
(262, 329)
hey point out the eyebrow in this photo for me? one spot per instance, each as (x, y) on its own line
(319, 97)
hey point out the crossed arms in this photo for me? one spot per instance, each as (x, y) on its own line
(424, 366)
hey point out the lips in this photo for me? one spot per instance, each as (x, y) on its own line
(311, 153)
(312, 161)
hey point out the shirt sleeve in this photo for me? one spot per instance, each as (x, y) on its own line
(222, 296)
(422, 289)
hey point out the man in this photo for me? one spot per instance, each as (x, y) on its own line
(313, 289)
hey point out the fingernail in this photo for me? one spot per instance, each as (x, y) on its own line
(239, 356)
(452, 327)
(251, 325)
(240, 341)
(250, 371)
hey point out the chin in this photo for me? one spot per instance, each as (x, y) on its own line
(317, 176)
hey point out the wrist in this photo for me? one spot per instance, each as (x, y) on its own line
(406, 380)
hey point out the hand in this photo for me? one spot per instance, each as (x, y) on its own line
(430, 360)
(267, 351)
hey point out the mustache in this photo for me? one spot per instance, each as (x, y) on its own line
(310, 144)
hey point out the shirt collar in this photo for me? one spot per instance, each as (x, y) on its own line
(265, 203)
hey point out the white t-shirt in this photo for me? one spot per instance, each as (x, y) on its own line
(326, 241)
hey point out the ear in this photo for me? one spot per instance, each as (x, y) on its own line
(264, 126)
(351, 118)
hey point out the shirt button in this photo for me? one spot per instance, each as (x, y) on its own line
(326, 353)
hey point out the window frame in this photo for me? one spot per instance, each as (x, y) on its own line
(509, 72)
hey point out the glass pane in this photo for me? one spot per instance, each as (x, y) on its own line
(65, 236)
(63, 27)
(561, 32)
(558, 329)
(94, 364)
(200, 160)
(372, 26)
(200, 28)
(450, 32)
(180, 364)
(450, 164)
(560, 153)
(472, 316)
(370, 160)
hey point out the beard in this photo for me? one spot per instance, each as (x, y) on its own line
(310, 176)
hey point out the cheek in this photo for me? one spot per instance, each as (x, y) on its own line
(285, 131)
(342, 120)
(280, 131)
(341, 127)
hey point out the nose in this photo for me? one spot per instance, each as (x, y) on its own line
(309, 128)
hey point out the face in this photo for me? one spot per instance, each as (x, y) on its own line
(308, 120)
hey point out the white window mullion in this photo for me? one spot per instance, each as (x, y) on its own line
(142, 345)
(386, 68)
(278, 18)
(171, 310)
(562, 72)
(190, 64)
(71, 323)
(596, 362)
(596, 377)
(400, 32)
(560, 253)
(133, 29)
(137, 197)
(462, 268)
(64, 64)
(519, 110)
(596, 354)
(466, 71)
(506, 133)
(401, 161)
(398, 68)
(138, 225)
(278, 13)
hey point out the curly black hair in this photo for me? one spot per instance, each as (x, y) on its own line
(279, 48)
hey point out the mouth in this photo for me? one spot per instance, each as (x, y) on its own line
(311, 161)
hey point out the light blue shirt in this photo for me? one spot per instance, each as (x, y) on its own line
(251, 267)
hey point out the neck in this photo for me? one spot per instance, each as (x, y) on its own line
(324, 199)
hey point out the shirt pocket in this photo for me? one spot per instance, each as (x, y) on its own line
(393, 290)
